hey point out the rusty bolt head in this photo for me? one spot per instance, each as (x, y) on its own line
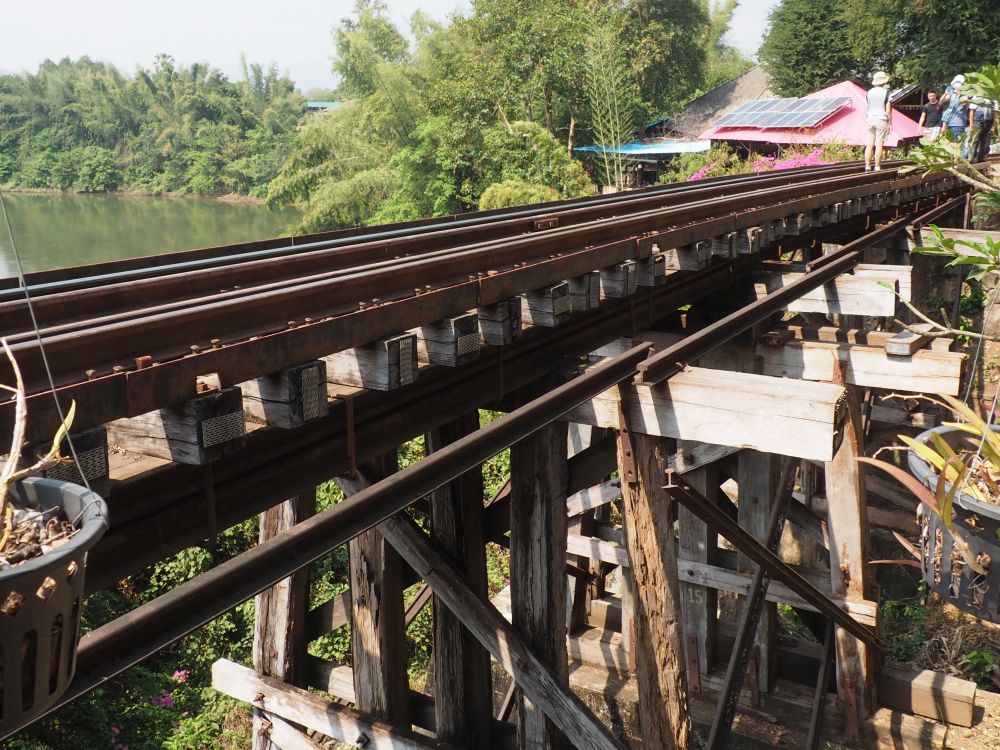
(492, 273)
(143, 362)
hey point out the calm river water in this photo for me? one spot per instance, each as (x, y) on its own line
(72, 229)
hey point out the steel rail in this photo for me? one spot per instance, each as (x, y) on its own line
(54, 308)
(674, 358)
(41, 282)
(124, 642)
(173, 331)
(57, 302)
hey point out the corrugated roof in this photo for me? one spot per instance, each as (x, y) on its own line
(653, 148)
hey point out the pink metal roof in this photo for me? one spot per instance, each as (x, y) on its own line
(846, 125)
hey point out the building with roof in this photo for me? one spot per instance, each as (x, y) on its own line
(319, 107)
(841, 113)
(699, 113)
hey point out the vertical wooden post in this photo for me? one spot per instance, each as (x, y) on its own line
(758, 477)
(664, 719)
(462, 693)
(699, 604)
(537, 567)
(847, 519)
(279, 643)
(378, 648)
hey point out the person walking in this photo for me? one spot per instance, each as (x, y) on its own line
(878, 119)
(930, 117)
(957, 121)
(982, 123)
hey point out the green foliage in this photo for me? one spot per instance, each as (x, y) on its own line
(515, 193)
(982, 666)
(806, 47)
(903, 623)
(80, 125)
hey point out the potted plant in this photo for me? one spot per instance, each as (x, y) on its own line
(46, 529)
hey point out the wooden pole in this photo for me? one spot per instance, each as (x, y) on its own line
(664, 719)
(537, 567)
(378, 647)
(758, 477)
(847, 523)
(462, 693)
(698, 542)
(279, 643)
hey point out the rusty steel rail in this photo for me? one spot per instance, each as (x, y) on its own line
(521, 219)
(55, 305)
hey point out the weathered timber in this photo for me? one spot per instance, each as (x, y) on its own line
(932, 694)
(579, 437)
(585, 292)
(289, 398)
(548, 306)
(500, 324)
(658, 634)
(900, 275)
(286, 736)
(198, 431)
(847, 524)
(866, 336)
(462, 688)
(890, 519)
(787, 417)
(327, 617)
(748, 240)
(378, 644)
(537, 562)
(383, 365)
(89, 454)
(925, 371)
(279, 648)
(758, 485)
(723, 579)
(692, 455)
(652, 271)
(302, 707)
(846, 295)
(691, 257)
(449, 342)
(901, 417)
(724, 245)
(697, 543)
(907, 342)
(593, 497)
(619, 280)
(537, 681)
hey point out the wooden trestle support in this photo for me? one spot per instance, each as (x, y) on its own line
(640, 599)
(636, 516)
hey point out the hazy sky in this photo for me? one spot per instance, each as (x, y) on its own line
(293, 33)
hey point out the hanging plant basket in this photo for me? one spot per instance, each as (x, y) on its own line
(977, 524)
(40, 603)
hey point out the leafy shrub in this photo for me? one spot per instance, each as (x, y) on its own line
(515, 193)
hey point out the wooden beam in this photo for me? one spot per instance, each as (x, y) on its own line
(783, 416)
(91, 449)
(548, 306)
(383, 365)
(652, 271)
(330, 615)
(279, 648)
(343, 724)
(688, 258)
(658, 646)
(462, 687)
(285, 736)
(537, 680)
(619, 280)
(199, 431)
(449, 342)
(593, 497)
(758, 484)
(378, 646)
(538, 476)
(847, 525)
(697, 543)
(288, 399)
(585, 292)
(500, 324)
(692, 455)
(846, 295)
(938, 696)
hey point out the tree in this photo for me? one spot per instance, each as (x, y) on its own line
(361, 44)
(723, 62)
(613, 99)
(806, 47)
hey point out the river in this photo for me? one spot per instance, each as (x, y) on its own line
(55, 230)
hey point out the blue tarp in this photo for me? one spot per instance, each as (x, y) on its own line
(638, 148)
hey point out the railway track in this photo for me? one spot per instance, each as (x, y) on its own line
(274, 307)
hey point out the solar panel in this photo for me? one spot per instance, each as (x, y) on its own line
(781, 113)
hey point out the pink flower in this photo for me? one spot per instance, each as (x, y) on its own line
(181, 675)
(116, 730)
(165, 700)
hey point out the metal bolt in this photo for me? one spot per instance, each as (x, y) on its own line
(216, 343)
(375, 300)
(362, 305)
(195, 349)
(143, 362)
(91, 374)
(117, 369)
(291, 324)
(307, 320)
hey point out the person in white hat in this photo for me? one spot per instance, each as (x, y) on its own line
(878, 120)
